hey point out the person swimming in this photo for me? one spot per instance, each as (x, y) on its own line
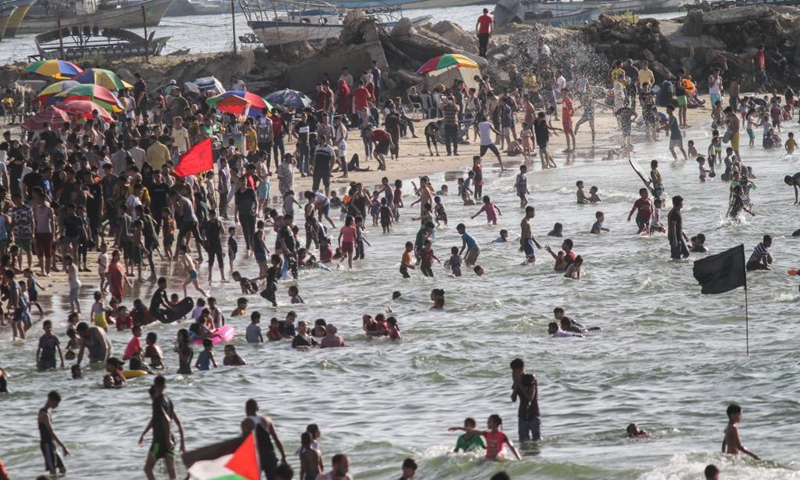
(634, 431)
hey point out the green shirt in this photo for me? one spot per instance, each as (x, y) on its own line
(468, 444)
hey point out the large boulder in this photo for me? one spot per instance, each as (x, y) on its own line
(693, 23)
(403, 28)
(456, 35)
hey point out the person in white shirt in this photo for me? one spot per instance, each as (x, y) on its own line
(180, 135)
(561, 83)
(237, 84)
(485, 130)
(340, 140)
(555, 331)
(543, 49)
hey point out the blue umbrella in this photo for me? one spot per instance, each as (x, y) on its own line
(289, 98)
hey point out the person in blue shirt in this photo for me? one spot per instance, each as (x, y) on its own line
(469, 244)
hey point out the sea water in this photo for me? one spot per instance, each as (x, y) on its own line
(667, 358)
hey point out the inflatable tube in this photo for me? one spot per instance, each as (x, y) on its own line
(183, 308)
(128, 374)
(224, 334)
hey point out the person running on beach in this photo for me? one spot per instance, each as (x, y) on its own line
(732, 443)
(48, 438)
(526, 239)
(496, 440)
(191, 272)
(485, 130)
(675, 233)
(161, 422)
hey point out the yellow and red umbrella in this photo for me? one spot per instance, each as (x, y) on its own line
(58, 69)
(446, 62)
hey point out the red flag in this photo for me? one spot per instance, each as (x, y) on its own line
(198, 159)
(244, 461)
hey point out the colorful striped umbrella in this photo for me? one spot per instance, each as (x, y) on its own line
(104, 78)
(53, 116)
(445, 62)
(84, 108)
(257, 104)
(95, 93)
(58, 69)
(55, 88)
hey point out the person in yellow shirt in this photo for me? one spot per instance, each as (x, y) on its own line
(250, 137)
(157, 153)
(617, 74)
(646, 75)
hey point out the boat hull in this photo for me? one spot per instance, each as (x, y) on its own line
(268, 32)
(350, 4)
(5, 17)
(127, 16)
(622, 6)
(23, 7)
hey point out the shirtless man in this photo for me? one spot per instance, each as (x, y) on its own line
(96, 341)
(48, 438)
(732, 443)
(526, 239)
(565, 259)
(267, 438)
(191, 272)
(424, 195)
(161, 423)
(341, 465)
(733, 128)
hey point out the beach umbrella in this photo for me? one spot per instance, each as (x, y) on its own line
(204, 84)
(104, 78)
(446, 62)
(53, 116)
(84, 109)
(54, 89)
(289, 98)
(231, 104)
(95, 93)
(58, 69)
(257, 104)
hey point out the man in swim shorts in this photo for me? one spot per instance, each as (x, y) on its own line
(526, 239)
(161, 422)
(48, 438)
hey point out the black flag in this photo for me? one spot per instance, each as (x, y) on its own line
(722, 272)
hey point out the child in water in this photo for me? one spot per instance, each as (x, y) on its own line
(593, 196)
(496, 440)
(635, 432)
(598, 227)
(206, 358)
(470, 440)
(557, 231)
(492, 210)
(732, 443)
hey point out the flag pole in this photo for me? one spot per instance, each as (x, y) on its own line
(746, 321)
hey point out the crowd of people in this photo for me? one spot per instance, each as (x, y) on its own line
(110, 188)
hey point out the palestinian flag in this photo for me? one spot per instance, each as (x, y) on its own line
(242, 464)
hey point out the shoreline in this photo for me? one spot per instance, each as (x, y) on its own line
(414, 162)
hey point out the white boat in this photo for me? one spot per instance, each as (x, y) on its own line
(55, 14)
(308, 21)
(517, 11)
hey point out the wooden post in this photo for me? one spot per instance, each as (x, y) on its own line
(60, 37)
(233, 19)
(146, 42)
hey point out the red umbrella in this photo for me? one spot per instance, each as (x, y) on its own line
(84, 108)
(233, 104)
(51, 115)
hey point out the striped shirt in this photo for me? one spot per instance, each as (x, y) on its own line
(450, 114)
(759, 254)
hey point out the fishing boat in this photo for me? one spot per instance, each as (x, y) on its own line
(560, 8)
(5, 16)
(45, 16)
(23, 7)
(79, 43)
(180, 8)
(308, 21)
(351, 4)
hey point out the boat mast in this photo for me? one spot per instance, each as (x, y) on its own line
(277, 29)
(233, 20)
(146, 48)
